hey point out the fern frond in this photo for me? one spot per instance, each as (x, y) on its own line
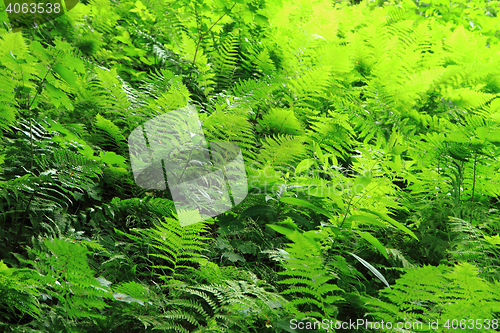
(180, 247)
(104, 18)
(468, 98)
(281, 149)
(230, 127)
(309, 88)
(226, 62)
(117, 98)
(333, 133)
(109, 136)
(429, 293)
(8, 110)
(64, 271)
(243, 297)
(254, 92)
(281, 121)
(468, 245)
(308, 279)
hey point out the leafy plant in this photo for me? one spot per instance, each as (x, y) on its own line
(428, 294)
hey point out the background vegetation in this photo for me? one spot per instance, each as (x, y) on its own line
(370, 133)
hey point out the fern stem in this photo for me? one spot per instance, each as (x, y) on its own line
(439, 163)
(31, 140)
(185, 167)
(343, 220)
(21, 226)
(196, 18)
(202, 36)
(30, 104)
(473, 185)
(43, 79)
(460, 181)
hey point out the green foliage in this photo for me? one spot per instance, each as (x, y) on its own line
(65, 279)
(236, 304)
(469, 244)
(109, 136)
(370, 134)
(16, 294)
(442, 293)
(307, 277)
(230, 127)
(281, 150)
(225, 65)
(176, 248)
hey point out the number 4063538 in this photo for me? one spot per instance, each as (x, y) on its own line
(33, 8)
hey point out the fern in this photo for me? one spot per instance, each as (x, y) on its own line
(263, 61)
(66, 276)
(309, 88)
(16, 295)
(103, 18)
(42, 181)
(333, 133)
(281, 150)
(115, 98)
(307, 277)
(233, 128)
(468, 245)
(180, 253)
(233, 303)
(109, 136)
(163, 55)
(158, 83)
(281, 121)
(235, 298)
(133, 212)
(8, 112)
(438, 293)
(172, 95)
(226, 62)
(220, 305)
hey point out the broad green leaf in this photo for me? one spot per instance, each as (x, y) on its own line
(234, 257)
(494, 240)
(488, 134)
(289, 233)
(57, 96)
(361, 183)
(4, 269)
(372, 269)
(299, 219)
(247, 247)
(74, 63)
(457, 137)
(391, 221)
(304, 165)
(373, 241)
(187, 217)
(303, 203)
(337, 199)
(258, 210)
(308, 240)
(327, 160)
(398, 150)
(365, 219)
(67, 75)
(318, 151)
(112, 158)
(261, 20)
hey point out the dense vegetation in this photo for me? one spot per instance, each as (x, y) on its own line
(370, 133)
